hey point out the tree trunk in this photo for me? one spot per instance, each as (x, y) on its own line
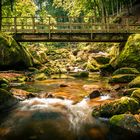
(0, 14)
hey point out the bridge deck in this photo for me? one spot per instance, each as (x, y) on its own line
(67, 29)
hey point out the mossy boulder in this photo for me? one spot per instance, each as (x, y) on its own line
(126, 121)
(6, 99)
(135, 83)
(129, 56)
(126, 70)
(119, 106)
(129, 91)
(81, 74)
(3, 81)
(122, 78)
(106, 69)
(40, 76)
(39, 53)
(102, 59)
(136, 94)
(13, 55)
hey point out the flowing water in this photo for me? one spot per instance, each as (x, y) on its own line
(54, 118)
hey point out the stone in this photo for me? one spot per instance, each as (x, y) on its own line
(119, 106)
(63, 85)
(106, 69)
(126, 70)
(6, 99)
(10, 51)
(40, 76)
(94, 94)
(136, 94)
(102, 59)
(22, 94)
(129, 91)
(135, 83)
(126, 121)
(122, 78)
(82, 74)
(129, 56)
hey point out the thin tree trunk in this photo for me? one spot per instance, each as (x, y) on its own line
(112, 7)
(0, 14)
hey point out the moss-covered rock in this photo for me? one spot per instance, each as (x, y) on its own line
(126, 70)
(126, 121)
(135, 83)
(122, 78)
(129, 91)
(6, 99)
(12, 54)
(4, 81)
(102, 59)
(106, 69)
(40, 76)
(119, 106)
(136, 94)
(82, 74)
(39, 53)
(129, 56)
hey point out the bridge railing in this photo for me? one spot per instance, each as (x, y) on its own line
(65, 25)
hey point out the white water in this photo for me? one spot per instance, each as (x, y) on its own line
(78, 114)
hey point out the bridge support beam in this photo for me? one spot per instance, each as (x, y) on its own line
(71, 37)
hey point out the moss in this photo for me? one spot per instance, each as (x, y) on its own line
(126, 121)
(82, 74)
(6, 99)
(40, 76)
(122, 78)
(3, 81)
(102, 59)
(136, 94)
(12, 54)
(128, 92)
(126, 70)
(120, 106)
(106, 69)
(135, 83)
(129, 56)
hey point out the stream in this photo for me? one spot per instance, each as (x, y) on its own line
(66, 116)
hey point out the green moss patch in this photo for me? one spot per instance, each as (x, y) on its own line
(122, 78)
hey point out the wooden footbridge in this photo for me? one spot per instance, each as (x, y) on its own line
(67, 29)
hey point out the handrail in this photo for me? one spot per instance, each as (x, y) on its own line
(72, 25)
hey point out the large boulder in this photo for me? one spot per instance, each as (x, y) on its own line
(6, 99)
(126, 70)
(12, 54)
(119, 106)
(129, 56)
(122, 78)
(126, 121)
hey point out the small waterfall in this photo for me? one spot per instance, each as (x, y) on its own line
(56, 119)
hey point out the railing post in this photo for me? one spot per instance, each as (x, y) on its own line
(33, 20)
(15, 24)
(70, 24)
(91, 27)
(127, 25)
(49, 27)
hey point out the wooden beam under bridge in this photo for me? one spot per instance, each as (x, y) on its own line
(71, 37)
